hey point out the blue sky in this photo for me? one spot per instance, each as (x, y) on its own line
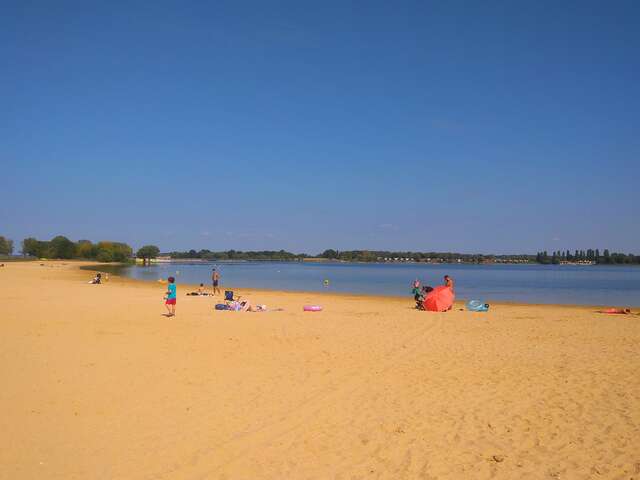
(497, 127)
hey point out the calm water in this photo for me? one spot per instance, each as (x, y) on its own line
(587, 285)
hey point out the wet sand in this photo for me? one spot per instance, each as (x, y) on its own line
(96, 383)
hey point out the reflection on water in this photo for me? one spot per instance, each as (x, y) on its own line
(587, 285)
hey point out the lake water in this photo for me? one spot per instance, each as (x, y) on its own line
(586, 285)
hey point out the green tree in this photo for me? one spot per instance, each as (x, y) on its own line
(30, 246)
(148, 252)
(367, 256)
(35, 248)
(6, 246)
(86, 249)
(118, 252)
(122, 252)
(61, 247)
(104, 256)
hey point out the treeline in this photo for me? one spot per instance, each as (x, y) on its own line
(61, 247)
(6, 246)
(444, 257)
(264, 255)
(591, 256)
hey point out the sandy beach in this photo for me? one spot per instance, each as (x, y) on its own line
(97, 384)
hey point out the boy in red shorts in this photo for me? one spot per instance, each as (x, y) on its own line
(170, 302)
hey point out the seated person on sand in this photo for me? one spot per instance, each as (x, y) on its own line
(200, 292)
(240, 306)
(97, 279)
(416, 292)
(421, 296)
(245, 306)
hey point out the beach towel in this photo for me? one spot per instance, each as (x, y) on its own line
(616, 311)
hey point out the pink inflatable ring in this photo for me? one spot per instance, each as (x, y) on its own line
(312, 308)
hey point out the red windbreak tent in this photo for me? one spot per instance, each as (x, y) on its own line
(440, 299)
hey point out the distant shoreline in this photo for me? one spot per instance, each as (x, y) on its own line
(113, 269)
(360, 262)
(458, 303)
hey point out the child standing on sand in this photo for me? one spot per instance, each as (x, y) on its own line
(170, 302)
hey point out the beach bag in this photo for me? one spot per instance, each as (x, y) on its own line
(477, 306)
(221, 306)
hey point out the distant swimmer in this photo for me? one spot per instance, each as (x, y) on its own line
(326, 283)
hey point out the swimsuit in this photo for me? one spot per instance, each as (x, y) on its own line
(171, 297)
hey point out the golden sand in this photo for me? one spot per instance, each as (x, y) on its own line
(97, 384)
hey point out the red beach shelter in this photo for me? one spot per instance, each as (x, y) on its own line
(440, 299)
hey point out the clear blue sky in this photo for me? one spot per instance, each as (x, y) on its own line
(497, 127)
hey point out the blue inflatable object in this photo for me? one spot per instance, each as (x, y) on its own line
(477, 306)
(222, 306)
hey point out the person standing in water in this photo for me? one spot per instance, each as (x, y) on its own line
(215, 279)
(448, 282)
